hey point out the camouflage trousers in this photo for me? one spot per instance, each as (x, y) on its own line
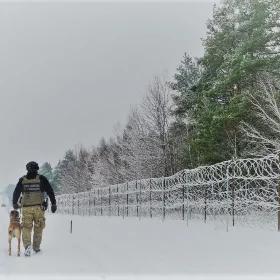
(33, 217)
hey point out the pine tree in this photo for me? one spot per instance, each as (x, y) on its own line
(185, 84)
(47, 171)
(186, 106)
(67, 173)
(242, 44)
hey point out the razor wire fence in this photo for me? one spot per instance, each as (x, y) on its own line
(231, 189)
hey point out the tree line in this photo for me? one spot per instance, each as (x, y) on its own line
(220, 106)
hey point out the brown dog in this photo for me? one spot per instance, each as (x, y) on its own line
(14, 230)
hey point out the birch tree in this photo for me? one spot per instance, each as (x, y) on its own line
(157, 114)
(263, 133)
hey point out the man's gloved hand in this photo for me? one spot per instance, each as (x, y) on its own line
(44, 205)
(15, 206)
(53, 208)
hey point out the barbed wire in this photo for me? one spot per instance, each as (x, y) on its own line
(235, 187)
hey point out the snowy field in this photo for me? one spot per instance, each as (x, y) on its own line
(116, 248)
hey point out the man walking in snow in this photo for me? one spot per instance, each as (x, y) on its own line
(32, 187)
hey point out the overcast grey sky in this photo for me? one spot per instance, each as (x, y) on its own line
(70, 71)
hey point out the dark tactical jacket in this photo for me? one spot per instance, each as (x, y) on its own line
(32, 187)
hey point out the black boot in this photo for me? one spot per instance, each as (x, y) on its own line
(27, 251)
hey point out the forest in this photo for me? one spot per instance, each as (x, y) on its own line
(223, 105)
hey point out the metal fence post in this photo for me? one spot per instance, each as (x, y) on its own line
(101, 203)
(233, 205)
(64, 206)
(73, 204)
(140, 199)
(183, 202)
(127, 199)
(110, 209)
(89, 203)
(150, 198)
(228, 201)
(78, 205)
(94, 202)
(163, 199)
(278, 210)
(205, 204)
(98, 203)
(123, 203)
(118, 200)
(84, 204)
(187, 205)
(137, 201)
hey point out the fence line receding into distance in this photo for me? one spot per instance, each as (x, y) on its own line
(231, 188)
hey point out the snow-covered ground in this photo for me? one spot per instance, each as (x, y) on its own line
(116, 248)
